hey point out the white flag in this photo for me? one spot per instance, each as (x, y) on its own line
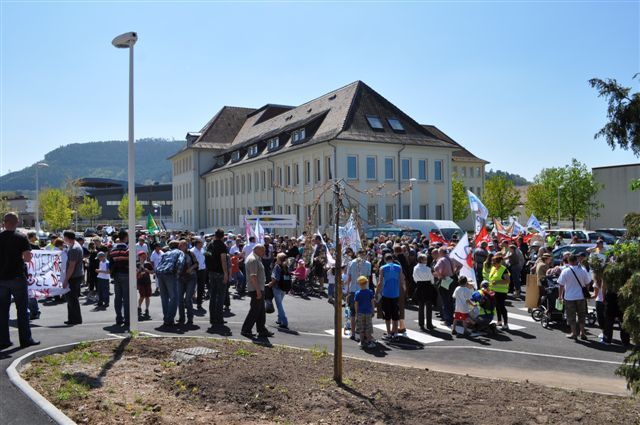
(330, 259)
(517, 228)
(477, 206)
(463, 254)
(533, 223)
(259, 232)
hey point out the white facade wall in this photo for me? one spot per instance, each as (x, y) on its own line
(185, 186)
(616, 197)
(308, 169)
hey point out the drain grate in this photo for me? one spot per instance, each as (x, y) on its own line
(185, 355)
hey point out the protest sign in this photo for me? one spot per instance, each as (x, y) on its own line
(45, 274)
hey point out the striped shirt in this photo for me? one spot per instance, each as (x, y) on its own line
(119, 258)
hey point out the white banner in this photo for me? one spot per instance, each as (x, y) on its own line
(463, 254)
(272, 221)
(45, 273)
(476, 205)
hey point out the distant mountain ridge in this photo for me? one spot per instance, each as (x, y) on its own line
(515, 178)
(97, 159)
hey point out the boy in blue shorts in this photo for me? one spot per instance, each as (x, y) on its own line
(364, 304)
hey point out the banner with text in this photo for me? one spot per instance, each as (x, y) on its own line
(45, 274)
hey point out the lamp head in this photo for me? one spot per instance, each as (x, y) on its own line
(126, 40)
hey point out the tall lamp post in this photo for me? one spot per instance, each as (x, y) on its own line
(559, 189)
(38, 166)
(412, 181)
(126, 41)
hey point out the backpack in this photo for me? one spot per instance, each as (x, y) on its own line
(285, 279)
(488, 301)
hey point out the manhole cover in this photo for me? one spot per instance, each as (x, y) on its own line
(185, 355)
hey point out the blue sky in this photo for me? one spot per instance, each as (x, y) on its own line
(508, 80)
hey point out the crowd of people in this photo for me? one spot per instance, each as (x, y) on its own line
(380, 277)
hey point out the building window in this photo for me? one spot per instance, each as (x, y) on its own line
(288, 175)
(256, 181)
(375, 122)
(438, 171)
(389, 172)
(318, 171)
(319, 215)
(371, 168)
(279, 209)
(372, 214)
(279, 175)
(273, 143)
(287, 209)
(307, 172)
(455, 169)
(243, 183)
(405, 165)
(423, 212)
(440, 212)
(464, 172)
(329, 171)
(253, 150)
(329, 214)
(308, 218)
(235, 156)
(406, 211)
(298, 135)
(478, 194)
(270, 179)
(478, 173)
(236, 185)
(298, 213)
(352, 167)
(422, 169)
(389, 211)
(263, 180)
(470, 171)
(296, 174)
(395, 125)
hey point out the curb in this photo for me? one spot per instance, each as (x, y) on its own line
(45, 405)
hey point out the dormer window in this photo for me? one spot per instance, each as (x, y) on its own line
(273, 143)
(235, 156)
(375, 122)
(253, 150)
(395, 125)
(298, 135)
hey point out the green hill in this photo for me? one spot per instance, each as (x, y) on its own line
(515, 178)
(97, 159)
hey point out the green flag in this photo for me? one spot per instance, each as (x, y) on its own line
(152, 227)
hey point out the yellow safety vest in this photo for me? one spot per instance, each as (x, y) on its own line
(485, 273)
(495, 280)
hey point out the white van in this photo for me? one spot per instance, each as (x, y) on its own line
(447, 228)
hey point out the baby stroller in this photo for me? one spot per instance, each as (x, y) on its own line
(547, 314)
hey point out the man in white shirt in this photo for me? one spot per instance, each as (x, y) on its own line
(248, 248)
(201, 273)
(572, 279)
(234, 247)
(142, 247)
(156, 256)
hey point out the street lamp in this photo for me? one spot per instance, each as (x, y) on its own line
(38, 166)
(126, 41)
(411, 183)
(559, 189)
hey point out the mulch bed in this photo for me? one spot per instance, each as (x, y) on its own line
(135, 381)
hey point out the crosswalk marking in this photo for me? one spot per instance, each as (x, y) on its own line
(520, 317)
(331, 332)
(460, 329)
(416, 336)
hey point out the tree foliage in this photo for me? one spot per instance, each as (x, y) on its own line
(459, 198)
(54, 205)
(542, 196)
(623, 112)
(577, 197)
(89, 209)
(515, 178)
(123, 208)
(501, 197)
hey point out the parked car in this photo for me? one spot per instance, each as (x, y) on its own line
(608, 238)
(573, 248)
(568, 234)
(372, 232)
(617, 232)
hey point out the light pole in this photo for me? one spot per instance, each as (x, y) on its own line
(559, 189)
(38, 166)
(412, 181)
(126, 41)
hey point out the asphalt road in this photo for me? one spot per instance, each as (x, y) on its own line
(527, 352)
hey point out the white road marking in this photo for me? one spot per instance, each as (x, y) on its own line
(460, 329)
(520, 317)
(416, 336)
(332, 333)
(149, 334)
(467, 347)
(117, 336)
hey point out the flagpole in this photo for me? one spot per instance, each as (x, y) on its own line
(337, 316)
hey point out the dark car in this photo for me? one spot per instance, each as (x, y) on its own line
(373, 232)
(608, 238)
(576, 249)
(618, 233)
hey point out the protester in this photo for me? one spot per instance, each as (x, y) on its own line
(144, 284)
(73, 278)
(171, 263)
(356, 268)
(463, 305)
(256, 285)
(16, 251)
(201, 273)
(572, 280)
(187, 282)
(499, 284)
(425, 291)
(102, 281)
(216, 263)
(119, 263)
(281, 285)
(390, 283)
(364, 305)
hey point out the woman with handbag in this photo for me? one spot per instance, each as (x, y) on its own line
(424, 292)
(280, 284)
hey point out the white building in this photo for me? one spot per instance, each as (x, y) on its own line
(282, 159)
(615, 197)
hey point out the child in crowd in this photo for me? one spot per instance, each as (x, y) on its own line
(331, 282)
(144, 284)
(364, 304)
(102, 281)
(300, 272)
(237, 278)
(462, 296)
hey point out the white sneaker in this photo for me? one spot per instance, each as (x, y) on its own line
(505, 327)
